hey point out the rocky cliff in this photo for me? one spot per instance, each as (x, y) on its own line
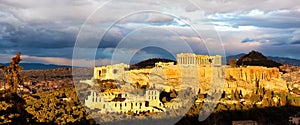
(246, 79)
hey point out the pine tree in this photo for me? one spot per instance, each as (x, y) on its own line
(12, 73)
(232, 63)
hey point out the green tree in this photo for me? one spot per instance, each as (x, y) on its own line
(12, 73)
(232, 62)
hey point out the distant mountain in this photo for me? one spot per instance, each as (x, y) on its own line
(149, 63)
(282, 60)
(255, 58)
(39, 66)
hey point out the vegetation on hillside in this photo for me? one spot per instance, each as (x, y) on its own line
(12, 73)
(150, 63)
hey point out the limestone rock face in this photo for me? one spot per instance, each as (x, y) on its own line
(245, 79)
(139, 76)
(252, 73)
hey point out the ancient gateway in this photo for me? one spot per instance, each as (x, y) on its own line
(167, 76)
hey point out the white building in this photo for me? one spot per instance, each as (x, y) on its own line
(118, 103)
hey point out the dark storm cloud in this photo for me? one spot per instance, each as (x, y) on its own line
(49, 28)
(296, 42)
(39, 42)
(7, 44)
(272, 19)
(41, 38)
(269, 29)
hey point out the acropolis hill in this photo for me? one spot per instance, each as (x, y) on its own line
(167, 76)
(245, 78)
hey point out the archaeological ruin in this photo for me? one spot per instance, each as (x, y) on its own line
(166, 76)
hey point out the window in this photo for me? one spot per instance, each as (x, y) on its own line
(99, 72)
(103, 70)
(115, 71)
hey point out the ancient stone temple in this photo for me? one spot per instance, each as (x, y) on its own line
(194, 59)
(110, 71)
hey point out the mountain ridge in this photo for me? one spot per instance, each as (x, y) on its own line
(282, 60)
(39, 66)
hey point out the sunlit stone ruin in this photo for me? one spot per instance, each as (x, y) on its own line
(192, 72)
(191, 58)
(121, 103)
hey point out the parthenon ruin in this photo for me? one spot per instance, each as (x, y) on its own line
(191, 58)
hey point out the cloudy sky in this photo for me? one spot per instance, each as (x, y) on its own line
(47, 31)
